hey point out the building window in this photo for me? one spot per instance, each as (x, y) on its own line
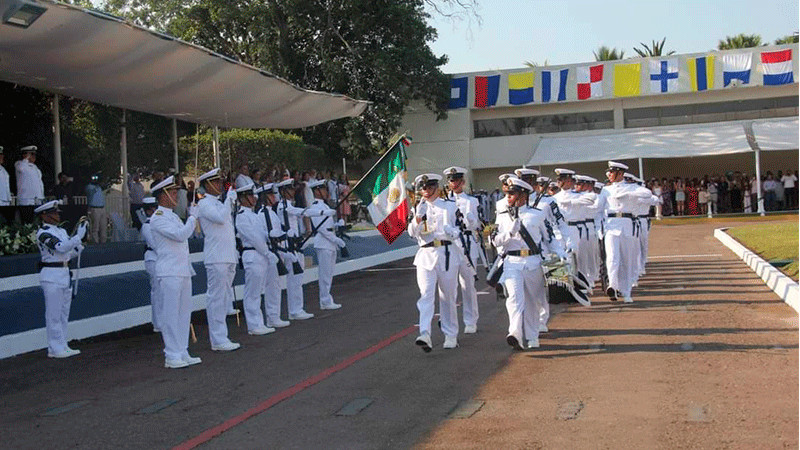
(711, 112)
(544, 124)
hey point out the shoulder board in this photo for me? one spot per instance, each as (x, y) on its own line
(49, 240)
(159, 213)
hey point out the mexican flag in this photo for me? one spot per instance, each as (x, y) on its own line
(383, 191)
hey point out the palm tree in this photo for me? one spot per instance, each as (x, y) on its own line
(790, 39)
(608, 54)
(656, 49)
(533, 64)
(741, 40)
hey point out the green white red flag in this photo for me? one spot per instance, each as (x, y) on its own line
(383, 191)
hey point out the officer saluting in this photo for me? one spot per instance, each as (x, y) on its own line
(219, 250)
(326, 243)
(150, 259)
(57, 248)
(174, 271)
(433, 225)
(469, 226)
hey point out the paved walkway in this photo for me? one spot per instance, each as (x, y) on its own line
(706, 357)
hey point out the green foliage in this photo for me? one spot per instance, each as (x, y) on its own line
(366, 49)
(741, 40)
(772, 241)
(790, 39)
(608, 54)
(654, 49)
(259, 148)
(18, 239)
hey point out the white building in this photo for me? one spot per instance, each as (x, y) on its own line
(682, 132)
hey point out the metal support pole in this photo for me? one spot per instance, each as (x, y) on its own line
(175, 143)
(56, 137)
(216, 146)
(641, 169)
(758, 182)
(344, 166)
(123, 156)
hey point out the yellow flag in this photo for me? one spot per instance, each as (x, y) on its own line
(627, 80)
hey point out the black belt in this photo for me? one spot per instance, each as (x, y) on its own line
(244, 249)
(63, 264)
(633, 217)
(150, 249)
(578, 224)
(97, 207)
(522, 253)
(644, 216)
(620, 214)
(446, 245)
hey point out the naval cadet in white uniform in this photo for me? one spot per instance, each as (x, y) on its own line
(57, 248)
(326, 243)
(220, 256)
(256, 259)
(293, 258)
(523, 277)
(174, 271)
(30, 189)
(150, 258)
(470, 230)
(619, 201)
(277, 237)
(5, 186)
(433, 226)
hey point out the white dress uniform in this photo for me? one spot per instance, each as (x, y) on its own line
(290, 216)
(150, 258)
(619, 201)
(257, 261)
(549, 206)
(174, 271)
(5, 189)
(523, 277)
(437, 263)
(30, 189)
(57, 248)
(643, 213)
(272, 288)
(326, 244)
(468, 205)
(220, 258)
(573, 206)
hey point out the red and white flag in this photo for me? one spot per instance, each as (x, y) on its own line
(590, 82)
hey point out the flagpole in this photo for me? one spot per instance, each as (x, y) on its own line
(385, 154)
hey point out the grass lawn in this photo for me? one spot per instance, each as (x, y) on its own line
(772, 241)
(688, 220)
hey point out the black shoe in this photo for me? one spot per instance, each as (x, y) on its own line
(612, 293)
(512, 341)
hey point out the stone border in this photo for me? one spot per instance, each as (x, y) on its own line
(785, 287)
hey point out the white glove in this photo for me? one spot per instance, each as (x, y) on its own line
(422, 208)
(231, 195)
(339, 242)
(79, 248)
(329, 212)
(81, 232)
(340, 223)
(452, 231)
(515, 226)
(193, 211)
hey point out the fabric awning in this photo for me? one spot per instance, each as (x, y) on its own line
(665, 142)
(103, 59)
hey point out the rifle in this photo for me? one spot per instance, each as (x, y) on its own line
(464, 241)
(291, 241)
(272, 245)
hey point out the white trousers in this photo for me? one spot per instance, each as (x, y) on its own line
(219, 297)
(294, 286)
(156, 301)
(621, 261)
(272, 293)
(255, 274)
(57, 301)
(177, 315)
(526, 290)
(644, 241)
(327, 262)
(447, 281)
(469, 295)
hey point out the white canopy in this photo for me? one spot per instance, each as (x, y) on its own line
(100, 58)
(666, 142)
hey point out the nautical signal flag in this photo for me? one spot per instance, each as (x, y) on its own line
(777, 67)
(554, 85)
(486, 90)
(590, 81)
(458, 92)
(627, 79)
(736, 66)
(663, 75)
(520, 88)
(701, 72)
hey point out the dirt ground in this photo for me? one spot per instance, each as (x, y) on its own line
(706, 357)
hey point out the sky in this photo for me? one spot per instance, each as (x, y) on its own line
(569, 31)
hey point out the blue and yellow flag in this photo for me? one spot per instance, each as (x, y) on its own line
(520, 88)
(701, 72)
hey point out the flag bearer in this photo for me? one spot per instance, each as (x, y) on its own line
(150, 258)
(326, 243)
(57, 248)
(437, 260)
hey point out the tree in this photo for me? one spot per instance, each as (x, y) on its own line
(371, 50)
(533, 64)
(790, 39)
(608, 54)
(655, 49)
(741, 40)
